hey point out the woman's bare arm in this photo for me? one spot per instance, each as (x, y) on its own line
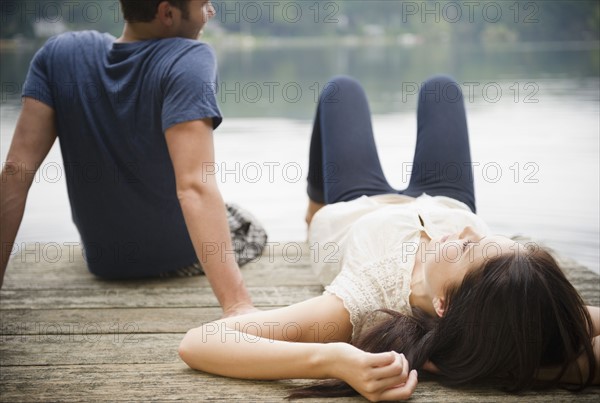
(580, 366)
(255, 345)
(572, 374)
(595, 315)
(305, 340)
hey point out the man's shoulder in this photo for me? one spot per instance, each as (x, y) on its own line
(197, 60)
(82, 36)
(186, 47)
(84, 40)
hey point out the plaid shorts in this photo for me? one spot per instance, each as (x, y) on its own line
(248, 238)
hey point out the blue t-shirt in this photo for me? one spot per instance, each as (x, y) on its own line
(113, 103)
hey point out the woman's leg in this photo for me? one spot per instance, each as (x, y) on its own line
(343, 162)
(442, 163)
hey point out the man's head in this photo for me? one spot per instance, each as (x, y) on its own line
(167, 18)
(145, 10)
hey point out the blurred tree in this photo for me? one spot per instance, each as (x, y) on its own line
(524, 20)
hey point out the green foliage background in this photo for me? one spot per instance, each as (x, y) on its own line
(521, 20)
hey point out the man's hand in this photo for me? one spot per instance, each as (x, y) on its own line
(377, 377)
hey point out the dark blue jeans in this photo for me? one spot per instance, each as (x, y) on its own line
(344, 164)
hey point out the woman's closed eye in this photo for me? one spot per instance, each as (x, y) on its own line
(465, 244)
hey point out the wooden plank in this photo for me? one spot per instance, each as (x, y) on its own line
(43, 271)
(174, 381)
(84, 345)
(146, 298)
(69, 254)
(131, 382)
(145, 320)
(78, 356)
(273, 276)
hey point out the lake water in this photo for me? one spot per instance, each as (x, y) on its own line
(533, 115)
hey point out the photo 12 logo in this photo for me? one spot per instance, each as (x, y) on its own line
(253, 172)
(70, 332)
(55, 12)
(490, 92)
(253, 92)
(470, 11)
(270, 12)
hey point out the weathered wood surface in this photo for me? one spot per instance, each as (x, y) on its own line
(80, 346)
(40, 269)
(174, 381)
(146, 320)
(67, 336)
(148, 298)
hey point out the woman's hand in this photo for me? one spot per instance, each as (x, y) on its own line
(377, 377)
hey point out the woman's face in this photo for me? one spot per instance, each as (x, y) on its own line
(448, 259)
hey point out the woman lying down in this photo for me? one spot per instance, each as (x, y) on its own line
(417, 281)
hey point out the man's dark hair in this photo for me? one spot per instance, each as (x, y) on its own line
(145, 10)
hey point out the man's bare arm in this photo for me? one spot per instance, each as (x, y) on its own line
(34, 135)
(192, 152)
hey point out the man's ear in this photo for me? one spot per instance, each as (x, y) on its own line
(439, 304)
(166, 13)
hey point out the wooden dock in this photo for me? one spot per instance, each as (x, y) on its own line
(68, 336)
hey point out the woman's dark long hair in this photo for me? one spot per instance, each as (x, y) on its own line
(515, 314)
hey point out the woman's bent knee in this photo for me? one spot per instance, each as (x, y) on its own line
(441, 88)
(341, 85)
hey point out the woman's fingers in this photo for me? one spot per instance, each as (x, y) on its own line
(387, 376)
(402, 392)
(394, 374)
(380, 359)
(394, 368)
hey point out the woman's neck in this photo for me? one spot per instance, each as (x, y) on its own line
(419, 297)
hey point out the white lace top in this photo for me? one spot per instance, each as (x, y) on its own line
(364, 250)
